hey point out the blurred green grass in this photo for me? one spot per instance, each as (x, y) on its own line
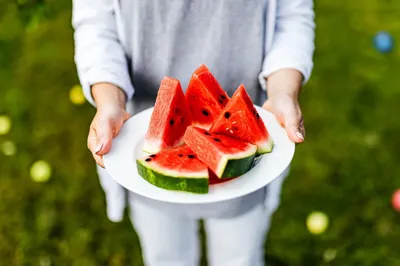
(348, 167)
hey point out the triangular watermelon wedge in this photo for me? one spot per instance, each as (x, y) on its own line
(170, 118)
(205, 97)
(227, 157)
(240, 119)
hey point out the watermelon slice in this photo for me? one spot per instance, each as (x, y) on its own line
(175, 169)
(205, 97)
(226, 156)
(241, 120)
(170, 118)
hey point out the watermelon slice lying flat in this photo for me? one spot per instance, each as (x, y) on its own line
(241, 120)
(175, 169)
(225, 156)
(169, 119)
(205, 97)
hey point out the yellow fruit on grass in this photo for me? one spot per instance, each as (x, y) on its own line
(76, 95)
(40, 171)
(317, 222)
(5, 124)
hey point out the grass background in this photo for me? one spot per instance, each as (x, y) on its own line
(348, 167)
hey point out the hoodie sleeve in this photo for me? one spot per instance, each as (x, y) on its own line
(293, 41)
(99, 55)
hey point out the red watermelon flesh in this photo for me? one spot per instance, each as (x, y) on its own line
(170, 117)
(226, 156)
(240, 119)
(205, 97)
(175, 169)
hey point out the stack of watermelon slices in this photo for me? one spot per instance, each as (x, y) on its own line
(201, 137)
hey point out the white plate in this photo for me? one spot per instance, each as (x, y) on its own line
(120, 162)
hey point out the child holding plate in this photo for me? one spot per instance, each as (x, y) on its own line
(123, 48)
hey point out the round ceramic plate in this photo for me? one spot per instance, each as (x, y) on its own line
(120, 163)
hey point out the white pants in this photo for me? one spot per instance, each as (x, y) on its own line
(169, 234)
(173, 240)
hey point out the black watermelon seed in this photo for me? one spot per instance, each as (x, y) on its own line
(171, 122)
(148, 160)
(191, 156)
(217, 140)
(153, 156)
(257, 116)
(207, 133)
(205, 112)
(220, 101)
(223, 97)
(180, 155)
(254, 112)
(227, 115)
(235, 128)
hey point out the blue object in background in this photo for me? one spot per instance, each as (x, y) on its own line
(383, 42)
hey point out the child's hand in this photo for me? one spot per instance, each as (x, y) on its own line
(283, 89)
(109, 118)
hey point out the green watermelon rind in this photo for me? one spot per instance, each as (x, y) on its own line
(236, 164)
(238, 167)
(198, 185)
(267, 147)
